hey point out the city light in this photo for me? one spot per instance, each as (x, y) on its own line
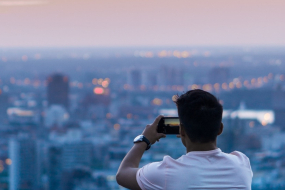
(176, 54)
(98, 90)
(231, 85)
(8, 161)
(185, 54)
(239, 85)
(251, 124)
(94, 81)
(162, 53)
(216, 86)
(27, 81)
(194, 86)
(117, 126)
(207, 87)
(174, 98)
(157, 101)
(129, 115)
(99, 81)
(105, 84)
(225, 86)
(108, 115)
(20, 112)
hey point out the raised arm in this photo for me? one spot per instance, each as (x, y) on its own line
(126, 175)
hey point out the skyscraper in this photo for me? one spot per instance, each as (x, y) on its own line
(169, 76)
(279, 106)
(64, 158)
(75, 154)
(54, 169)
(136, 78)
(24, 172)
(58, 90)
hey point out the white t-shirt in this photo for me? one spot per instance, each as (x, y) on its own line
(212, 169)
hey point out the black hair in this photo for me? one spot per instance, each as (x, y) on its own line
(200, 114)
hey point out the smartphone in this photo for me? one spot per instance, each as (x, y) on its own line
(168, 125)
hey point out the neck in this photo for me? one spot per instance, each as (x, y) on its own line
(190, 146)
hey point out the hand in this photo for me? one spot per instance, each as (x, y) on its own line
(150, 131)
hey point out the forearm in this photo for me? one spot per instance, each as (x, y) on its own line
(133, 157)
(126, 175)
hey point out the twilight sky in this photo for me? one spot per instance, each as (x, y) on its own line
(56, 23)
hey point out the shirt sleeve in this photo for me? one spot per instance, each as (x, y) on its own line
(152, 176)
(243, 159)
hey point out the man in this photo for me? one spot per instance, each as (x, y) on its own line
(204, 166)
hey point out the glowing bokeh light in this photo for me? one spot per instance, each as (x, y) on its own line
(117, 126)
(157, 101)
(8, 161)
(98, 90)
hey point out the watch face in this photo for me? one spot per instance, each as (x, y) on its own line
(138, 138)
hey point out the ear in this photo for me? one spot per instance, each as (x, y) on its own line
(182, 131)
(221, 129)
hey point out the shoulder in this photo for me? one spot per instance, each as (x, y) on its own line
(241, 158)
(156, 167)
(153, 174)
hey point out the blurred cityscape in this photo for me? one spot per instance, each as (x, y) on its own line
(69, 116)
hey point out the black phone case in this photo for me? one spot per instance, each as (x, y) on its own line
(162, 128)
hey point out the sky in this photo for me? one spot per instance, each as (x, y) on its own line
(123, 23)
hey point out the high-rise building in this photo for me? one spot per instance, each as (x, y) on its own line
(136, 79)
(24, 172)
(169, 76)
(66, 157)
(278, 101)
(76, 154)
(4, 104)
(54, 169)
(58, 90)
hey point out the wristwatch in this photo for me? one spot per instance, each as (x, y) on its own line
(142, 138)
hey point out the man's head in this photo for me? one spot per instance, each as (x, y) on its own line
(200, 115)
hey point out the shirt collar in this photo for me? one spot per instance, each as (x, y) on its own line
(217, 150)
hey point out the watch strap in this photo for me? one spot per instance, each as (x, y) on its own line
(147, 142)
(143, 139)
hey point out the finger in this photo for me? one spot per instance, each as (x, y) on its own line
(161, 135)
(156, 121)
(178, 136)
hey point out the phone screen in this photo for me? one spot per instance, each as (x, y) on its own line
(171, 122)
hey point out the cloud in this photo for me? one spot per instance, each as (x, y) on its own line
(22, 3)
